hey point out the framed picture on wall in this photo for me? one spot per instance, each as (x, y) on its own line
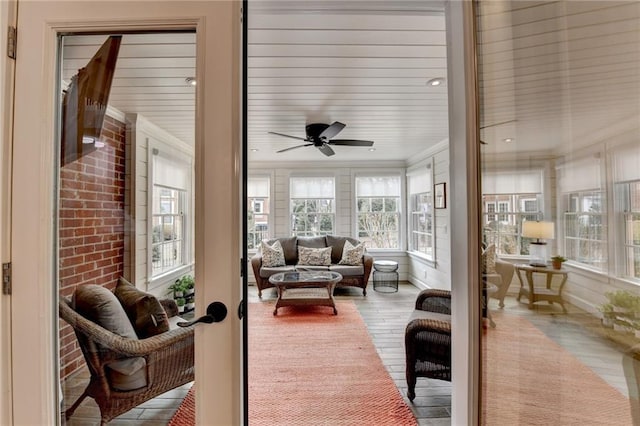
(439, 195)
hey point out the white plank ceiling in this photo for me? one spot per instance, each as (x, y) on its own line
(556, 72)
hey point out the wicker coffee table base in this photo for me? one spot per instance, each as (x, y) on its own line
(305, 294)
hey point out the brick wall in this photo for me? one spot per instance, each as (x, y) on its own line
(91, 227)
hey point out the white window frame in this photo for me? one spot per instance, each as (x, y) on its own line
(581, 177)
(184, 162)
(420, 184)
(624, 161)
(507, 189)
(332, 200)
(268, 203)
(398, 213)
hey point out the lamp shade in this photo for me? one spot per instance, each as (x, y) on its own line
(536, 229)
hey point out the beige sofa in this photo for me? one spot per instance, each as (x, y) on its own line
(354, 276)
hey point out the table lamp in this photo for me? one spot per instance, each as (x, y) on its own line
(538, 249)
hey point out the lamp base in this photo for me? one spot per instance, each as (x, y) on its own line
(538, 254)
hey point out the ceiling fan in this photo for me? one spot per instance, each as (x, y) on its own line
(320, 135)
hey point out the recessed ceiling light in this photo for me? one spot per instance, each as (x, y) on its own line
(508, 140)
(371, 149)
(438, 81)
(254, 149)
(190, 80)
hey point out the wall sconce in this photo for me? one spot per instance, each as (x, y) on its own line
(538, 249)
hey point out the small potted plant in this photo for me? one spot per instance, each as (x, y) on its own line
(188, 283)
(181, 302)
(177, 288)
(190, 305)
(557, 261)
(608, 315)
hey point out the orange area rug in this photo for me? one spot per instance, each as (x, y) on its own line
(531, 380)
(310, 367)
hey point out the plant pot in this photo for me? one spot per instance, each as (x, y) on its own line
(181, 309)
(556, 264)
(189, 292)
(177, 294)
(190, 306)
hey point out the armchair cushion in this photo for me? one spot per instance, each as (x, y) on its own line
(98, 304)
(488, 258)
(145, 312)
(128, 374)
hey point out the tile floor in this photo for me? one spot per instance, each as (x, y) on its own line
(386, 317)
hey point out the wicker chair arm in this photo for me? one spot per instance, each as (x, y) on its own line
(422, 324)
(425, 294)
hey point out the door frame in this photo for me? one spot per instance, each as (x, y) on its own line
(34, 334)
(8, 13)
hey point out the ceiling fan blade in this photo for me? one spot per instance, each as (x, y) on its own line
(497, 124)
(288, 136)
(295, 147)
(326, 150)
(332, 130)
(350, 142)
(483, 142)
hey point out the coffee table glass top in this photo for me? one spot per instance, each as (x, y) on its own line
(304, 277)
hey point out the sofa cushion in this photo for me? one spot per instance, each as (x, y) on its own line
(347, 271)
(337, 245)
(488, 260)
(145, 312)
(314, 256)
(312, 242)
(303, 268)
(266, 272)
(289, 247)
(98, 304)
(272, 255)
(352, 255)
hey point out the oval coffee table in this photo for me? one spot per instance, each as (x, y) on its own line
(299, 288)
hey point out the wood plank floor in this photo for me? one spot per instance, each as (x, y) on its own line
(386, 317)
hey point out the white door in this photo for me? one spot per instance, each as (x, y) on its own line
(217, 213)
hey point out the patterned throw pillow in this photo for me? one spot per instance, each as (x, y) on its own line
(488, 258)
(272, 255)
(351, 255)
(314, 256)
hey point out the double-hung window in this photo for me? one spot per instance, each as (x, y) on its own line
(258, 210)
(378, 211)
(508, 199)
(170, 213)
(626, 174)
(313, 210)
(584, 219)
(421, 221)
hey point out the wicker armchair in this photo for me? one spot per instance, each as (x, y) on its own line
(169, 362)
(428, 339)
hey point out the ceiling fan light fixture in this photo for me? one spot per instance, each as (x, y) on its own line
(191, 81)
(371, 149)
(254, 150)
(438, 81)
(507, 140)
